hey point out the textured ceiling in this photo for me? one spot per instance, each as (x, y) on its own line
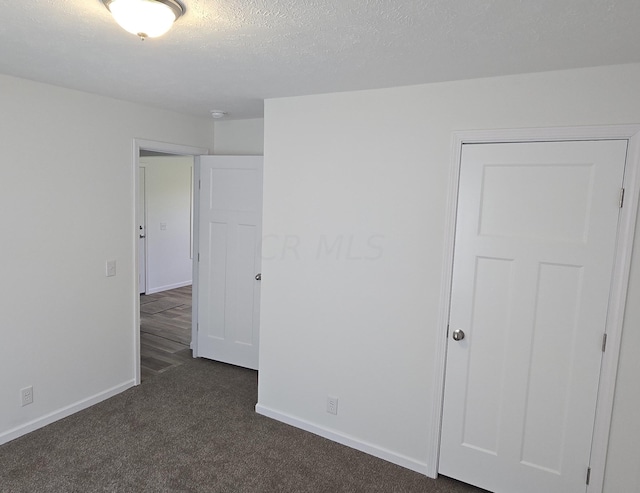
(233, 54)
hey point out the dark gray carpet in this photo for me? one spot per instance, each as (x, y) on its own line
(194, 429)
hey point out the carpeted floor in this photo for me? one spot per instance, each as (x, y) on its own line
(194, 429)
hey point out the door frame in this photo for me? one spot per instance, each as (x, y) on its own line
(620, 278)
(167, 148)
(195, 276)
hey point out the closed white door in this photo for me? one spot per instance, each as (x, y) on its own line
(230, 230)
(534, 253)
(142, 231)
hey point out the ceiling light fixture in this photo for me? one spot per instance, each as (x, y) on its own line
(218, 114)
(145, 18)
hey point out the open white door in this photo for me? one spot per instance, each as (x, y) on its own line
(534, 255)
(229, 253)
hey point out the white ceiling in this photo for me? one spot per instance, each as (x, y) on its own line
(233, 54)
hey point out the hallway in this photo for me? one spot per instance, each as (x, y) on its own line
(165, 331)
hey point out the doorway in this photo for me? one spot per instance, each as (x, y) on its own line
(150, 149)
(593, 473)
(165, 224)
(165, 221)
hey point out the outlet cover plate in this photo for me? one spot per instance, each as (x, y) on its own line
(111, 268)
(332, 405)
(26, 396)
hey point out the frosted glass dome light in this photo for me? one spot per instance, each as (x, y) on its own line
(145, 18)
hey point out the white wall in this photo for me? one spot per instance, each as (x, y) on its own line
(168, 190)
(66, 206)
(355, 190)
(244, 137)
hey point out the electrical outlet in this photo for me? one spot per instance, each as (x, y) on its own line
(26, 396)
(332, 405)
(111, 268)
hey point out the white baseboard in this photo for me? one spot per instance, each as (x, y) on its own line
(159, 289)
(43, 421)
(367, 448)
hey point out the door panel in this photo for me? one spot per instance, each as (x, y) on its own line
(550, 363)
(491, 306)
(533, 260)
(536, 201)
(230, 258)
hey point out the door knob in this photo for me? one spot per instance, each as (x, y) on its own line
(258, 277)
(458, 335)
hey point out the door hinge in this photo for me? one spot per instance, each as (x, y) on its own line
(604, 342)
(198, 256)
(621, 197)
(588, 475)
(447, 331)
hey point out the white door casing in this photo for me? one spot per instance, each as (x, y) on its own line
(534, 255)
(229, 251)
